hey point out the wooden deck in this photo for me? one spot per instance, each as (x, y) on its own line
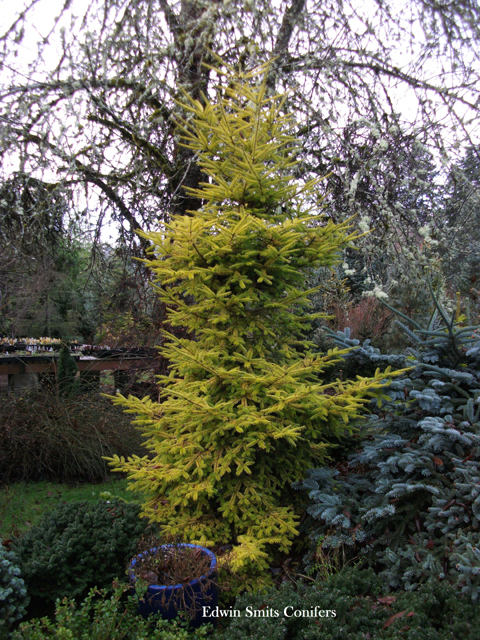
(24, 372)
(14, 365)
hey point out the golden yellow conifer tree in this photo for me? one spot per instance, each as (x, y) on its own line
(244, 411)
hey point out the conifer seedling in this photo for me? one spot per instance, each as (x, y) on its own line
(243, 412)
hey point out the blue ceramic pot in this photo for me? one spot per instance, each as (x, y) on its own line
(192, 596)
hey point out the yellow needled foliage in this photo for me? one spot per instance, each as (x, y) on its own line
(244, 412)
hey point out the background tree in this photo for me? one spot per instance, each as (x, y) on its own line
(378, 88)
(56, 279)
(32, 232)
(461, 213)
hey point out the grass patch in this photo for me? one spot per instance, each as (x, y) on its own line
(23, 503)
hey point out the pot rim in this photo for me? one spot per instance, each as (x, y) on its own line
(157, 587)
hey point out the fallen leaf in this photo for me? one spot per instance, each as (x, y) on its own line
(438, 461)
(387, 600)
(393, 618)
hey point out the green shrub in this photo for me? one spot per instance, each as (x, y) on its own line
(46, 436)
(363, 610)
(104, 616)
(409, 500)
(13, 595)
(79, 545)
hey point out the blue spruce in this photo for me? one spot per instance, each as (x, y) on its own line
(408, 501)
(13, 594)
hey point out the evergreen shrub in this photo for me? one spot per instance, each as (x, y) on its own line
(13, 594)
(67, 370)
(364, 609)
(243, 411)
(79, 545)
(364, 360)
(409, 499)
(104, 616)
